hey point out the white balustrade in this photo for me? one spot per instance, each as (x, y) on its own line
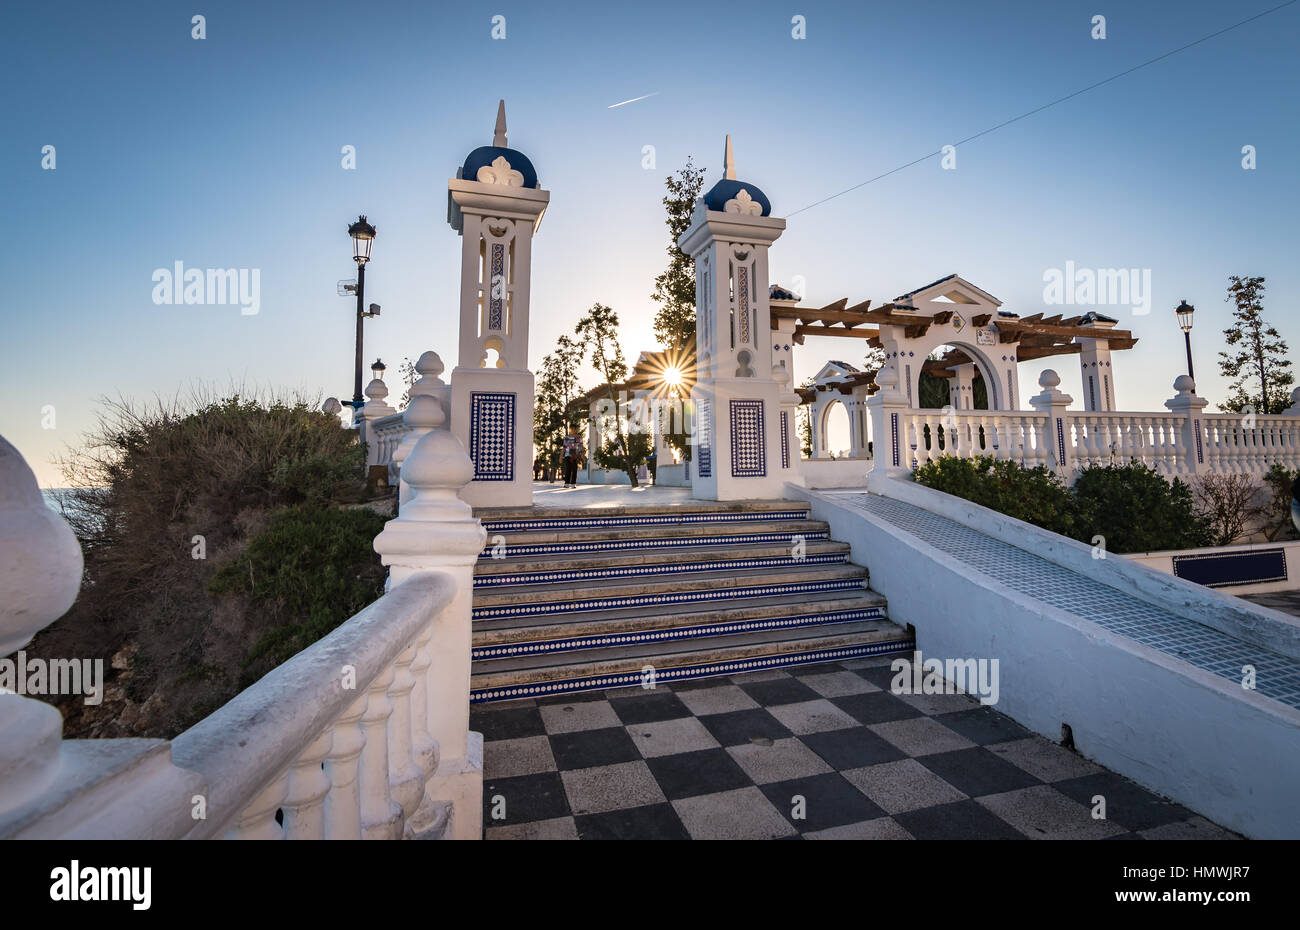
(364, 734)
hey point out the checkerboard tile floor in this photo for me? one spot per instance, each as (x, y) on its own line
(730, 758)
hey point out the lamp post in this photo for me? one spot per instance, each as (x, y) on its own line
(363, 236)
(1184, 312)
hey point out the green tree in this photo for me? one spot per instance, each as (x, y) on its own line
(674, 321)
(598, 331)
(557, 386)
(1258, 362)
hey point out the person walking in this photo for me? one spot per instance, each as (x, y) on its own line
(573, 453)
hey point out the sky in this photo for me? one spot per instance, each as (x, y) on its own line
(225, 152)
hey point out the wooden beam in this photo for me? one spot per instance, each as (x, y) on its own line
(943, 316)
(1029, 353)
(1047, 329)
(981, 320)
(813, 330)
(859, 308)
(835, 307)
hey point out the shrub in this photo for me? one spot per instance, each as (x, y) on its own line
(312, 567)
(1277, 510)
(1036, 495)
(1131, 506)
(1136, 510)
(1228, 504)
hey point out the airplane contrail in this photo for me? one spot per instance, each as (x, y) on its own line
(633, 100)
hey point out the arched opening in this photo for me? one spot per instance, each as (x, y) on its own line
(837, 437)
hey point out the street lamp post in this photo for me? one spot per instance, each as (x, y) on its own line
(363, 236)
(1184, 312)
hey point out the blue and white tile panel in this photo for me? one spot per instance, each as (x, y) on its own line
(678, 597)
(635, 571)
(748, 440)
(648, 519)
(685, 673)
(724, 628)
(492, 435)
(614, 545)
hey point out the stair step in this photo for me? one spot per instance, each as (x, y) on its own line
(580, 633)
(613, 539)
(542, 599)
(505, 519)
(566, 568)
(586, 670)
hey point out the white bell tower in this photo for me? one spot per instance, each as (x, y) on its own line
(496, 205)
(737, 447)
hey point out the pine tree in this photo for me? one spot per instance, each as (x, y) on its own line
(674, 321)
(1259, 366)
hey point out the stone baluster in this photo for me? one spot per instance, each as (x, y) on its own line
(437, 531)
(405, 777)
(257, 821)
(375, 408)
(343, 803)
(381, 816)
(304, 803)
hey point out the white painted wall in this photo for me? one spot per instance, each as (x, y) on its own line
(1164, 562)
(1230, 754)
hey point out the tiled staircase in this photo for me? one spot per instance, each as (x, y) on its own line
(576, 599)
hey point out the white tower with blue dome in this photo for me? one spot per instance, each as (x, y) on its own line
(740, 449)
(496, 205)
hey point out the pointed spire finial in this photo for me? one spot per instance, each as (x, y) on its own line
(499, 137)
(729, 161)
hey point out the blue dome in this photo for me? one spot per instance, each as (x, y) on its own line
(724, 190)
(486, 154)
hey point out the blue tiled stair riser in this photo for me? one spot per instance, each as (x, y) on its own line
(612, 545)
(651, 600)
(623, 680)
(580, 523)
(633, 571)
(506, 650)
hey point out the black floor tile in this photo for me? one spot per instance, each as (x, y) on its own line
(977, 772)
(828, 800)
(984, 726)
(1127, 804)
(852, 748)
(706, 771)
(576, 697)
(742, 726)
(824, 668)
(647, 706)
(586, 748)
(875, 707)
(507, 724)
(523, 799)
(964, 820)
(652, 822)
(777, 691)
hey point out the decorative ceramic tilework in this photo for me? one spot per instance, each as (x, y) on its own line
(1060, 441)
(614, 545)
(893, 435)
(785, 439)
(704, 417)
(908, 369)
(692, 671)
(534, 609)
(1011, 391)
(496, 288)
(1092, 393)
(1277, 676)
(742, 285)
(646, 519)
(1227, 569)
(724, 628)
(748, 439)
(492, 436)
(1110, 400)
(1196, 427)
(633, 571)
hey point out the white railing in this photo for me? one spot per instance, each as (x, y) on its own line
(363, 735)
(1182, 441)
(384, 436)
(1018, 436)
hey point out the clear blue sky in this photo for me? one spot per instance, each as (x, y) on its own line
(226, 153)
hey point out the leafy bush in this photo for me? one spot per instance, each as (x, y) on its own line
(1277, 511)
(1036, 495)
(1131, 506)
(166, 494)
(313, 567)
(1137, 510)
